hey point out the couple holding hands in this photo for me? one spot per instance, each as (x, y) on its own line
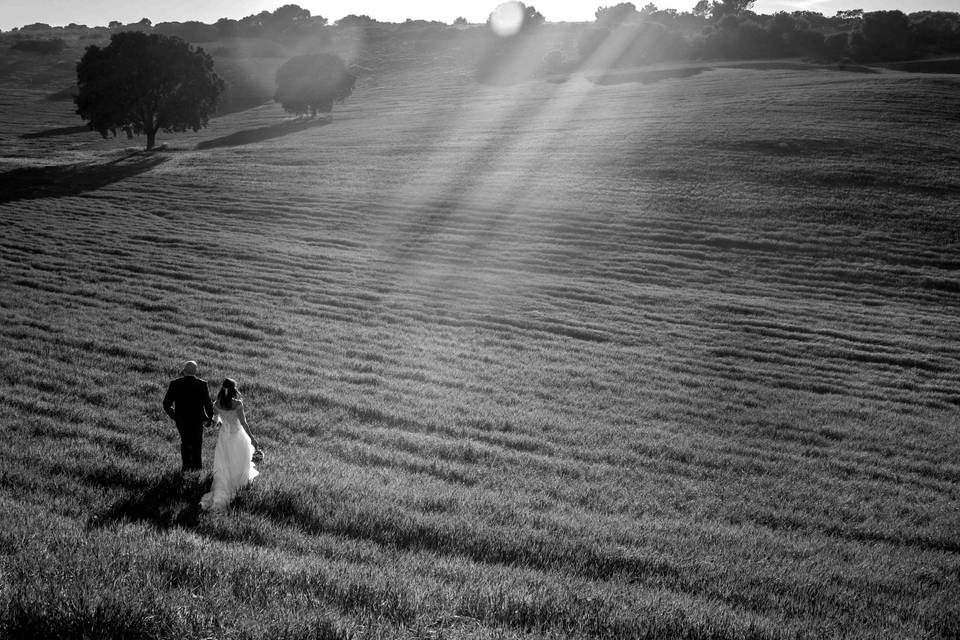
(187, 401)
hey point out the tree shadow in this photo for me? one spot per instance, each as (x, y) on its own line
(163, 502)
(647, 76)
(58, 181)
(278, 130)
(59, 131)
(650, 76)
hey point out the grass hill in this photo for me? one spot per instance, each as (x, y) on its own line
(643, 355)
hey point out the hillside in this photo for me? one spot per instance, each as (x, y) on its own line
(612, 356)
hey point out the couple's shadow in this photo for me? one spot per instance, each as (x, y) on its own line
(170, 500)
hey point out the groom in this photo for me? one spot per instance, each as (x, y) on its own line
(188, 402)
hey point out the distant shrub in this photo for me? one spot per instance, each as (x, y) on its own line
(191, 31)
(53, 46)
(552, 62)
(312, 83)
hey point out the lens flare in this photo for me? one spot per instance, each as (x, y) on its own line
(507, 19)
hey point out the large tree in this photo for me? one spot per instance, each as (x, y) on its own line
(618, 13)
(312, 83)
(144, 83)
(883, 35)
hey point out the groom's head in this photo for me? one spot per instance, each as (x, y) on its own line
(189, 369)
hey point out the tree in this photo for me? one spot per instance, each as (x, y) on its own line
(610, 16)
(144, 83)
(721, 8)
(289, 14)
(227, 28)
(936, 32)
(836, 46)
(289, 21)
(513, 17)
(883, 35)
(850, 14)
(702, 9)
(354, 20)
(782, 24)
(648, 10)
(191, 31)
(807, 42)
(312, 83)
(532, 17)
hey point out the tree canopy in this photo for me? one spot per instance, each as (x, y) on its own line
(144, 83)
(312, 83)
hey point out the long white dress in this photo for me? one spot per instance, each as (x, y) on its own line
(232, 462)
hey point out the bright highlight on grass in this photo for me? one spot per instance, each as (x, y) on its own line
(507, 19)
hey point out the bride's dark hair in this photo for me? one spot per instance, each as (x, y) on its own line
(228, 393)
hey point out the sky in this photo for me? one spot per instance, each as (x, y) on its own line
(17, 13)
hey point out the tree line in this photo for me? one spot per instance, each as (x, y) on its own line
(286, 23)
(728, 29)
(711, 29)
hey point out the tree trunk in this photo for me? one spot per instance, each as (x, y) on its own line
(151, 138)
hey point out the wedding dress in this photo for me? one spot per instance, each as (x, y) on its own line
(232, 462)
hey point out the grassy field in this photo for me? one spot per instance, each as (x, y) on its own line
(614, 356)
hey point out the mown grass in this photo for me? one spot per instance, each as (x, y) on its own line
(546, 360)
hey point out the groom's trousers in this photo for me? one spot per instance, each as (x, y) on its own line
(191, 445)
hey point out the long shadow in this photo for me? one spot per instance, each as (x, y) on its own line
(58, 181)
(949, 65)
(647, 76)
(60, 131)
(162, 502)
(278, 130)
(490, 547)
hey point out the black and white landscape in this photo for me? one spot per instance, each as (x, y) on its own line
(568, 333)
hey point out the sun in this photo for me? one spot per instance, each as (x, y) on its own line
(507, 19)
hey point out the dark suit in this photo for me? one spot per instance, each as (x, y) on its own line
(188, 403)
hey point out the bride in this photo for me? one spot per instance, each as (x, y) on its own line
(233, 457)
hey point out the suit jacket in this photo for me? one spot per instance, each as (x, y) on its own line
(188, 402)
